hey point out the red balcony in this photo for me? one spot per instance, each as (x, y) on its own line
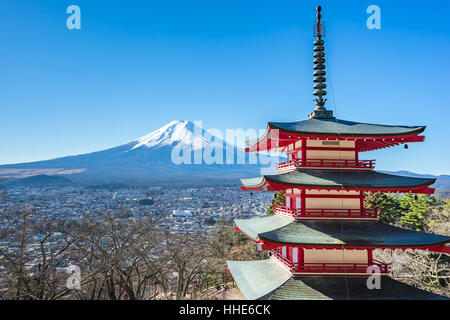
(340, 267)
(330, 268)
(326, 164)
(325, 214)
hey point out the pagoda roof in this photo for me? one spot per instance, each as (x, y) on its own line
(333, 179)
(344, 127)
(347, 288)
(281, 230)
(258, 278)
(269, 280)
(369, 136)
(253, 227)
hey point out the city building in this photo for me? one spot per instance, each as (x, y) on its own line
(178, 213)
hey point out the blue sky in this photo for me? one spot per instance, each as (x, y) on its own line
(136, 65)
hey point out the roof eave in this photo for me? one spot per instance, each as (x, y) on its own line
(419, 130)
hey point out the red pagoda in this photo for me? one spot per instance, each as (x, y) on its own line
(321, 241)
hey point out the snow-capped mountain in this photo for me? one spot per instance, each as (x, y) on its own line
(178, 132)
(149, 159)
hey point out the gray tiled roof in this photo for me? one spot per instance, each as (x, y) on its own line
(258, 278)
(253, 227)
(343, 127)
(350, 233)
(347, 288)
(335, 233)
(339, 178)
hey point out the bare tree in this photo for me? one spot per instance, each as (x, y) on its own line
(33, 273)
(120, 260)
(188, 260)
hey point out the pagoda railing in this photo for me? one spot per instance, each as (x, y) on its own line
(304, 214)
(325, 163)
(279, 257)
(340, 267)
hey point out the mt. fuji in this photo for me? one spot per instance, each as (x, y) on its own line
(175, 133)
(148, 159)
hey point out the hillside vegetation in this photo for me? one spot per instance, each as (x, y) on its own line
(426, 270)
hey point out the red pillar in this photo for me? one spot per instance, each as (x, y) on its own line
(301, 255)
(361, 200)
(369, 256)
(303, 149)
(303, 199)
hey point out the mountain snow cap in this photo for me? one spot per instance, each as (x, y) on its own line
(177, 132)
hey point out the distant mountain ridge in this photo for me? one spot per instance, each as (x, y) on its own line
(409, 174)
(442, 181)
(38, 180)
